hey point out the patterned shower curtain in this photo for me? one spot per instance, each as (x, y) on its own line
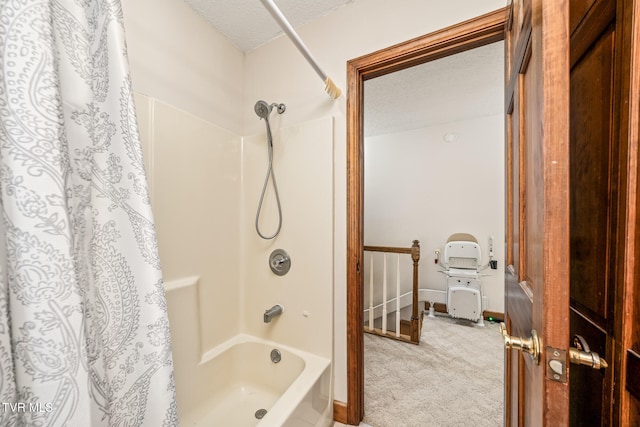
(84, 335)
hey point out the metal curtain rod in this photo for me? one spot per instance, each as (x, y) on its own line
(330, 87)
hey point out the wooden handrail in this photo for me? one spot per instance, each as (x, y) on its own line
(414, 250)
(388, 249)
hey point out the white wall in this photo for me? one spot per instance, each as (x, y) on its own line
(177, 57)
(277, 72)
(417, 186)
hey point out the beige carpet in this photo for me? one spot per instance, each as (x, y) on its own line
(453, 378)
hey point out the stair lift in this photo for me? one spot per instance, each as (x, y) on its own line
(461, 263)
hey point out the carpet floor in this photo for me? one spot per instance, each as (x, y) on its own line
(454, 378)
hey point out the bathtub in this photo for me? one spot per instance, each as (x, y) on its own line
(239, 385)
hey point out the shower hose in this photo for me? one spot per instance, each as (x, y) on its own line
(271, 174)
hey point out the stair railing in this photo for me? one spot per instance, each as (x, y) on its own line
(415, 325)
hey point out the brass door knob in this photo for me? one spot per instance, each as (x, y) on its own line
(529, 345)
(581, 354)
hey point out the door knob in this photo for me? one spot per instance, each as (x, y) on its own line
(529, 345)
(581, 354)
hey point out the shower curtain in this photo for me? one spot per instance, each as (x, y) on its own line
(84, 334)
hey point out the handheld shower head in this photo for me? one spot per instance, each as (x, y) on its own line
(262, 109)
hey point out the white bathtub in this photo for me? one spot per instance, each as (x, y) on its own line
(238, 378)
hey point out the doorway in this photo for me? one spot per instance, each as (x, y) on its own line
(434, 166)
(467, 35)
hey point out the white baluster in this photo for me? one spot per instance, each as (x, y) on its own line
(398, 296)
(384, 294)
(371, 314)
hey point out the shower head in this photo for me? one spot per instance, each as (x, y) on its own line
(262, 109)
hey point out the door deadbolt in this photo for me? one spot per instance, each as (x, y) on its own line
(581, 354)
(529, 345)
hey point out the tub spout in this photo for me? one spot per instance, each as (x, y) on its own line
(274, 311)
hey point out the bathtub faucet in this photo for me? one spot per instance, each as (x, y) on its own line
(274, 311)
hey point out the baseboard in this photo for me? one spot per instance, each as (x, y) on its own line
(442, 308)
(439, 307)
(340, 412)
(494, 315)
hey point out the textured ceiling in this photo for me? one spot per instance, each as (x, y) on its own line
(455, 88)
(248, 24)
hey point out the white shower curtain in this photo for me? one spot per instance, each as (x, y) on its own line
(84, 335)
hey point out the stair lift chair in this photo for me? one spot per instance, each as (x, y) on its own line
(462, 257)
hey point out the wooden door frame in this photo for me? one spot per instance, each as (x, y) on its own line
(476, 32)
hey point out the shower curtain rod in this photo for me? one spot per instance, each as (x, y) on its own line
(330, 87)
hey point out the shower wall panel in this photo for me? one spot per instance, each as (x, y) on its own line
(193, 169)
(303, 165)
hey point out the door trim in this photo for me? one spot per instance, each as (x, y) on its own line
(485, 29)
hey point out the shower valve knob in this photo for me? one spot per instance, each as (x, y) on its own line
(279, 262)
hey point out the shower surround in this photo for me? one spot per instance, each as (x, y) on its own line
(205, 186)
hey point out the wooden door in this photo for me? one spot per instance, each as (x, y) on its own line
(594, 189)
(537, 263)
(604, 144)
